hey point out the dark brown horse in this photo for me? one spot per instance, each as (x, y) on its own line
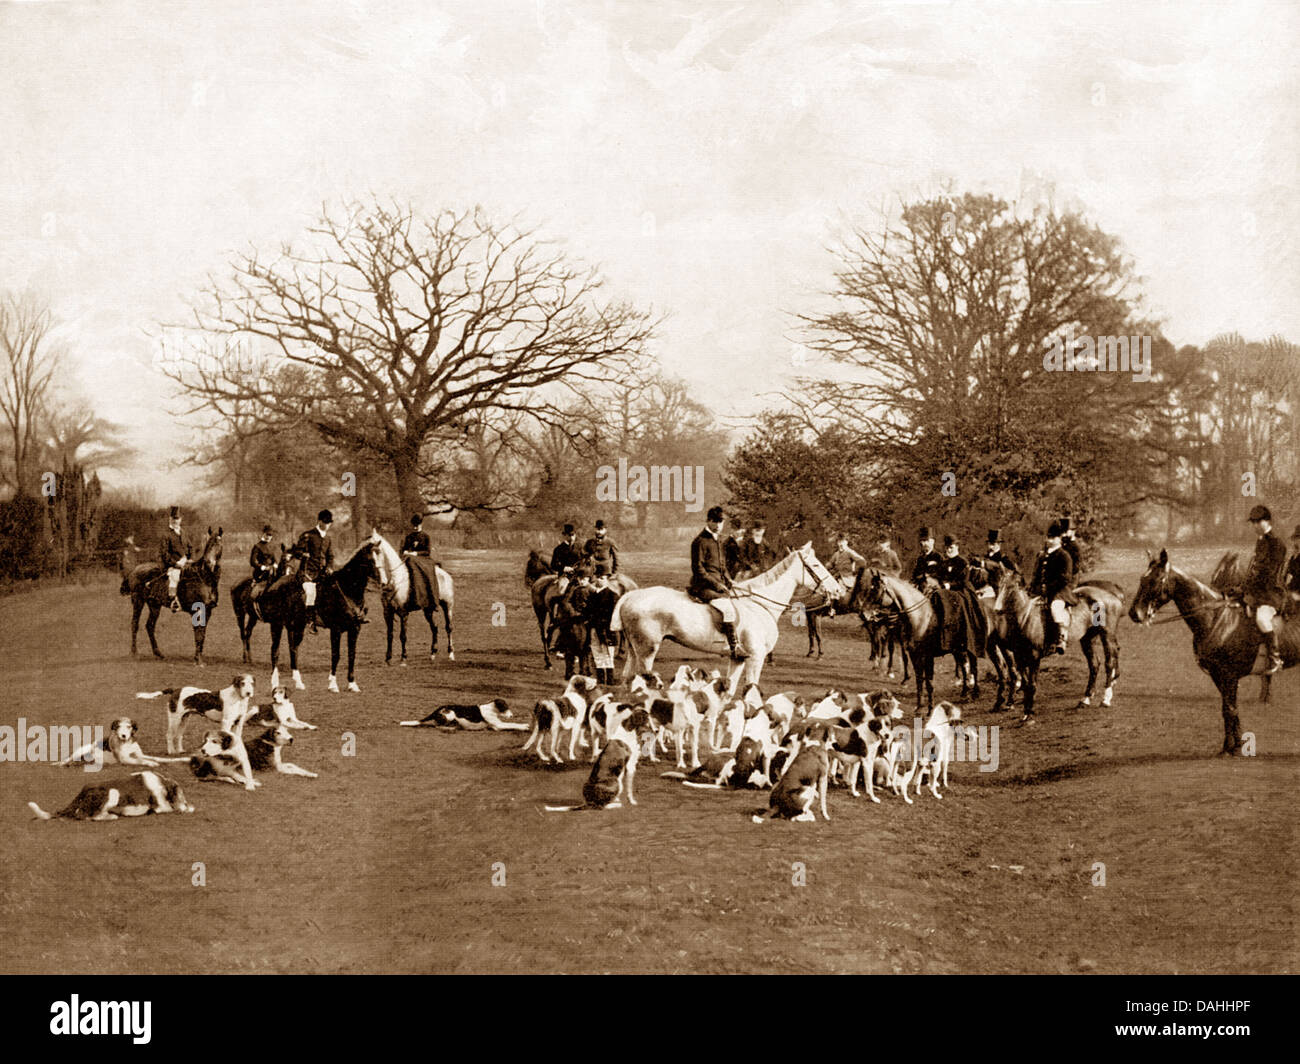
(340, 604)
(241, 602)
(1094, 622)
(197, 593)
(543, 588)
(1224, 639)
(922, 633)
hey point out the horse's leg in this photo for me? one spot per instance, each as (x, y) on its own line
(336, 636)
(541, 629)
(1112, 664)
(388, 627)
(1227, 686)
(200, 634)
(433, 629)
(137, 606)
(297, 629)
(149, 625)
(277, 630)
(246, 626)
(1030, 673)
(401, 631)
(1088, 644)
(352, 659)
(995, 656)
(446, 627)
(810, 619)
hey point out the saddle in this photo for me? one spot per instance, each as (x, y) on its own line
(962, 624)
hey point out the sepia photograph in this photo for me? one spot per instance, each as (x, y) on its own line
(701, 487)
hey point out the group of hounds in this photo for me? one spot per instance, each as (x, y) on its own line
(223, 755)
(782, 742)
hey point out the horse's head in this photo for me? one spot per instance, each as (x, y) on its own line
(816, 576)
(210, 559)
(1154, 590)
(536, 568)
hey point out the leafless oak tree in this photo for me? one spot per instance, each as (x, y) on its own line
(28, 363)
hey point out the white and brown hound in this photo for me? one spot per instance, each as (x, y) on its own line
(494, 715)
(136, 795)
(264, 753)
(804, 780)
(119, 747)
(567, 711)
(613, 773)
(223, 756)
(228, 707)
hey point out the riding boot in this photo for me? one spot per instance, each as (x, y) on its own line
(1274, 654)
(311, 619)
(729, 630)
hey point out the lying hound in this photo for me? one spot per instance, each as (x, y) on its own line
(494, 715)
(567, 711)
(801, 783)
(280, 711)
(137, 795)
(120, 747)
(614, 771)
(264, 753)
(224, 757)
(227, 707)
(744, 768)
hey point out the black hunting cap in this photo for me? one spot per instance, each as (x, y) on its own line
(416, 519)
(714, 514)
(267, 530)
(1054, 530)
(325, 517)
(569, 530)
(994, 536)
(599, 524)
(949, 541)
(760, 526)
(1260, 513)
(926, 532)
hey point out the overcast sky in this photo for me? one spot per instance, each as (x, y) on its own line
(701, 153)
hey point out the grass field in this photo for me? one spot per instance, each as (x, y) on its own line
(386, 863)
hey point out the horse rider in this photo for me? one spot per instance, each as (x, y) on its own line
(1053, 579)
(174, 553)
(885, 558)
(1071, 547)
(952, 570)
(845, 561)
(995, 554)
(1263, 588)
(733, 553)
(600, 549)
(709, 579)
(315, 554)
(262, 560)
(417, 540)
(565, 558)
(759, 555)
(928, 561)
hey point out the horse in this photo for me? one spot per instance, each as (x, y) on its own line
(340, 599)
(404, 595)
(921, 631)
(1094, 622)
(241, 601)
(147, 586)
(884, 635)
(648, 616)
(987, 574)
(1224, 639)
(543, 587)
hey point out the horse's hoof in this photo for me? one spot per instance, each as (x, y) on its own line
(451, 655)
(332, 686)
(402, 663)
(354, 688)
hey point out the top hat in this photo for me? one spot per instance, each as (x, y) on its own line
(267, 530)
(948, 541)
(599, 524)
(994, 536)
(325, 517)
(925, 533)
(1260, 513)
(760, 526)
(174, 513)
(416, 519)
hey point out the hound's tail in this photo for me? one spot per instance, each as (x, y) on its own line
(41, 814)
(156, 694)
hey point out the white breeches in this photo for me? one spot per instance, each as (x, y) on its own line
(309, 590)
(1060, 612)
(1265, 616)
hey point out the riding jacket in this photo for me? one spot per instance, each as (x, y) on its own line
(1053, 575)
(262, 561)
(887, 561)
(733, 551)
(172, 549)
(844, 563)
(926, 565)
(1293, 574)
(952, 573)
(416, 542)
(1263, 583)
(1076, 565)
(565, 556)
(602, 551)
(709, 578)
(316, 552)
(995, 554)
(759, 557)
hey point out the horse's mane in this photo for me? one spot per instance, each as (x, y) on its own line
(770, 576)
(1228, 578)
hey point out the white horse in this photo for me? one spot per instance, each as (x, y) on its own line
(649, 615)
(397, 602)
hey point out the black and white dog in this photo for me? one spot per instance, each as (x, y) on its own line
(628, 729)
(495, 715)
(228, 708)
(265, 753)
(137, 795)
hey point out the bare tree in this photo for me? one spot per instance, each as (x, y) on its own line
(77, 437)
(28, 363)
(403, 329)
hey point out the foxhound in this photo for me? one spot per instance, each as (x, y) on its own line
(228, 707)
(613, 773)
(494, 715)
(280, 711)
(224, 757)
(264, 753)
(137, 795)
(803, 781)
(119, 747)
(567, 711)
